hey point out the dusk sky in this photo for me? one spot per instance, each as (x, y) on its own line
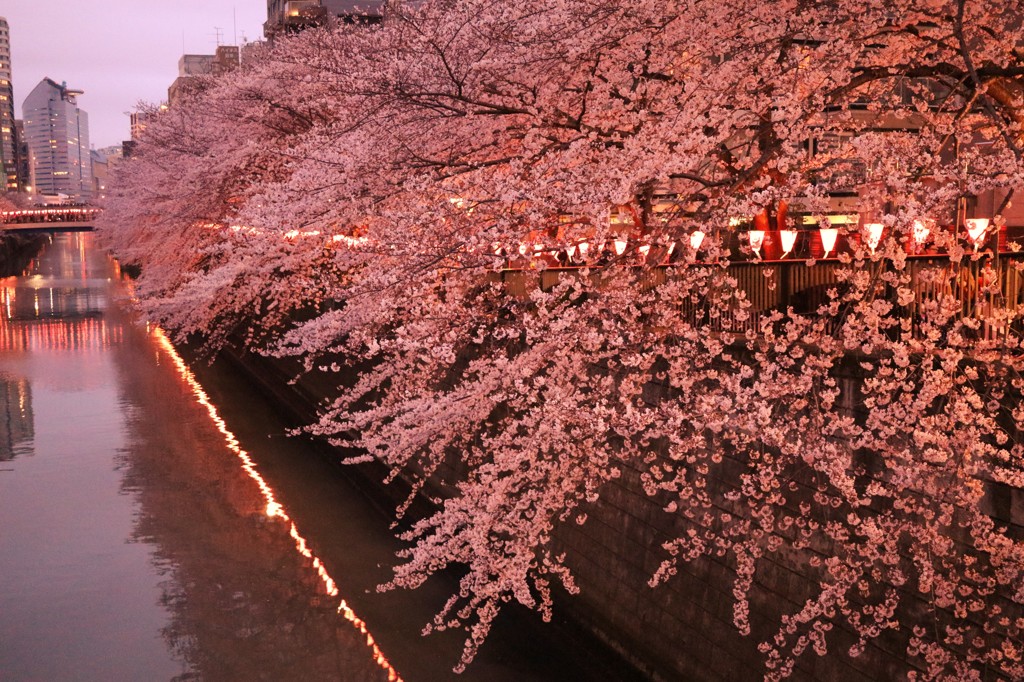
(119, 52)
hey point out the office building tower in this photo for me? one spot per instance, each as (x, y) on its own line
(8, 141)
(23, 158)
(289, 16)
(191, 66)
(139, 121)
(58, 140)
(225, 59)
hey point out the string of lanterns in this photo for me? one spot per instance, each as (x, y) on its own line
(659, 252)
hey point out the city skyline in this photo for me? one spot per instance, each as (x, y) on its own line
(116, 53)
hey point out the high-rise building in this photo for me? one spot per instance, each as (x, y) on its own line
(225, 59)
(142, 118)
(190, 66)
(8, 142)
(195, 65)
(23, 158)
(139, 121)
(100, 173)
(289, 16)
(348, 9)
(58, 140)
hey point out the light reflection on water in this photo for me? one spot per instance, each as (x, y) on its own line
(16, 419)
(134, 546)
(274, 510)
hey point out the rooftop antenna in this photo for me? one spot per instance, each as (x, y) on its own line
(218, 32)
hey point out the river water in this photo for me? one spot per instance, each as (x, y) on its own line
(159, 526)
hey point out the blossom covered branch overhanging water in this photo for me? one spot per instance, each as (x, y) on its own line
(387, 175)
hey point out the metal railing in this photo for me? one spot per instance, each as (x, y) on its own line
(988, 291)
(55, 217)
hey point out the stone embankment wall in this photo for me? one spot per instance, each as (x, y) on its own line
(683, 629)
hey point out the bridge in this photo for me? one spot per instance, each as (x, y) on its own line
(50, 218)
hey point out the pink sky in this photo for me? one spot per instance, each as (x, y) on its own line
(118, 51)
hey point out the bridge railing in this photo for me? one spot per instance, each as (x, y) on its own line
(53, 214)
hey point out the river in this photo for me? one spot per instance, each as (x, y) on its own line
(159, 525)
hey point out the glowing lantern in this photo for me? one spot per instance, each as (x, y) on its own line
(920, 232)
(788, 238)
(756, 241)
(828, 239)
(874, 235)
(696, 239)
(571, 252)
(583, 248)
(620, 246)
(644, 250)
(976, 229)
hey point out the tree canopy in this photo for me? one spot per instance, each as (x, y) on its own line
(490, 208)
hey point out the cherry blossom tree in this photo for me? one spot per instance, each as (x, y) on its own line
(489, 209)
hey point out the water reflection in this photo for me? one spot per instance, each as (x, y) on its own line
(76, 601)
(247, 596)
(136, 540)
(16, 418)
(59, 304)
(42, 299)
(93, 335)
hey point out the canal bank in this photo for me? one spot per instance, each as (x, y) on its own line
(678, 632)
(683, 629)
